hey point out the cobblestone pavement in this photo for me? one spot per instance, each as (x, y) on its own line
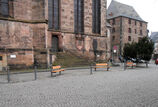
(136, 87)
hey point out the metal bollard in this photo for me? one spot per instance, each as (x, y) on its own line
(8, 74)
(125, 65)
(51, 70)
(91, 70)
(146, 64)
(35, 72)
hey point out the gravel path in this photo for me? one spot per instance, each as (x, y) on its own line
(77, 88)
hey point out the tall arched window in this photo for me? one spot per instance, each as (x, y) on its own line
(96, 6)
(54, 14)
(79, 16)
(4, 7)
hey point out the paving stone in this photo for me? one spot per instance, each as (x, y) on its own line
(136, 87)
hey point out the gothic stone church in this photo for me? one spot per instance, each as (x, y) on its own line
(32, 30)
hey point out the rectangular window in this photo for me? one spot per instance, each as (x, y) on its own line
(79, 16)
(129, 38)
(54, 14)
(1, 58)
(129, 30)
(135, 22)
(140, 23)
(4, 8)
(96, 6)
(113, 38)
(113, 22)
(43, 52)
(135, 31)
(141, 33)
(113, 30)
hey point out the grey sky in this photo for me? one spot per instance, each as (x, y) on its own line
(147, 9)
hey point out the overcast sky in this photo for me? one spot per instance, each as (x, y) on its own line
(147, 9)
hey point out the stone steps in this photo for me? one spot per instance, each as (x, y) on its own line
(67, 59)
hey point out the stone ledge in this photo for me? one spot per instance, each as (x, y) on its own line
(24, 21)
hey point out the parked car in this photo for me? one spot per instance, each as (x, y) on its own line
(156, 61)
(136, 60)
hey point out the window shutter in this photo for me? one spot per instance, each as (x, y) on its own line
(4, 8)
(76, 16)
(50, 14)
(56, 14)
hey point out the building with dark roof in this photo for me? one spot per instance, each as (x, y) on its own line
(117, 9)
(154, 38)
(127, 26)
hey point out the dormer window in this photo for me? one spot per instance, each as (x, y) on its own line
(111, 14)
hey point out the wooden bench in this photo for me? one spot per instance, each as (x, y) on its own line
(56, 69)
(130, 64)
(99, 65)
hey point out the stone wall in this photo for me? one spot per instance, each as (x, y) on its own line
(23, 59)
(115, 34)
(39, 36)
(134, 37)
(80, 43)
(22, 39)
(88, 17)
(125, 33)
(15, 35)
(85, 45)
(67, 17)
(22, 35)
(28, 10)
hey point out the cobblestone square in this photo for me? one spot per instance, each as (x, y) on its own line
(136, 87)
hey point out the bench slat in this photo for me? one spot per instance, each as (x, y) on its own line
(102, 64)
(56, 67)
(58, 70)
